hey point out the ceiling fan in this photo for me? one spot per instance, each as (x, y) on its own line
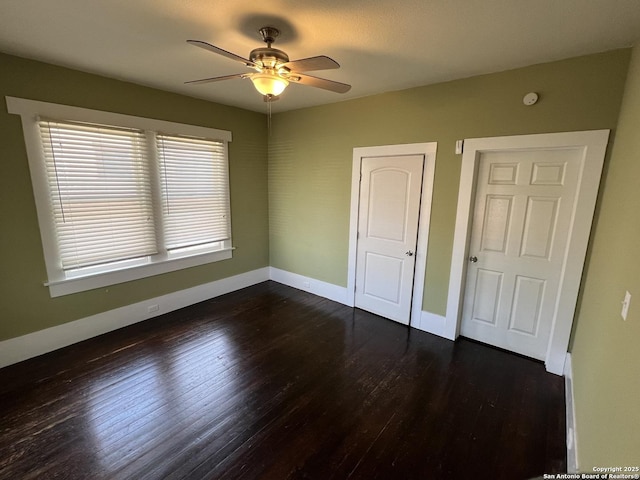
(274, 71)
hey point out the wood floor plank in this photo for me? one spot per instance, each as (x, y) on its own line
(271, 382)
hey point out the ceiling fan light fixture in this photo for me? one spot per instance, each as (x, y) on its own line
(274, 69)
(269, 84)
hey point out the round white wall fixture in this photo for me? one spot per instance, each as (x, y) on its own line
(530, 98)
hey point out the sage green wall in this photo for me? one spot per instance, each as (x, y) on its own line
(25, 304)
(310, 152)
(605, 354)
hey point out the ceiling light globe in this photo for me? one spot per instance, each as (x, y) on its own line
(269, 84)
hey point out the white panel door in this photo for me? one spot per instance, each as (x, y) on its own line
(390, 191)
(522, 220)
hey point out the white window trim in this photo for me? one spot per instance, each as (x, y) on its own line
(29, 111)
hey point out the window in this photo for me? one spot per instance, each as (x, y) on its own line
(195, 201)
(99, 194)
(121, 197)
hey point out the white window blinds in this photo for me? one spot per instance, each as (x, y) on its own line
(110, 208)
(100, 193)
(194, 191)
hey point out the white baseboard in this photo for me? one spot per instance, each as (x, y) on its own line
(572, 447)
(43, 341)
(311, 285)
(432, 323)
(428, 322)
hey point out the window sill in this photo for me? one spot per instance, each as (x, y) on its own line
(89, 282)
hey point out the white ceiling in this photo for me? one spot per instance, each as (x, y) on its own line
(382, 45)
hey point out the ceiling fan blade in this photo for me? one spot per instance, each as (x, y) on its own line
(321, 62)
(216, 79)
(320, 83)
(220, 51)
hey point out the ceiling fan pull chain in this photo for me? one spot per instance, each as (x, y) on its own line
(269, 114)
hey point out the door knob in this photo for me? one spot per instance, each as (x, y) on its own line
(409, 253)
(473, 259)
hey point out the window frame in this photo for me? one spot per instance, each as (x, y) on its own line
(60, 284)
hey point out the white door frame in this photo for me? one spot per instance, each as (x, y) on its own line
(595, 144)
(429, 152)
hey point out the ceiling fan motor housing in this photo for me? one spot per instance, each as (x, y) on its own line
(268, 57)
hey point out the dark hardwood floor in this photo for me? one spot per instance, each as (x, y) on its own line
(274, 383)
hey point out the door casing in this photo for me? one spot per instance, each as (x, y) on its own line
(594, 143)
(429, 152)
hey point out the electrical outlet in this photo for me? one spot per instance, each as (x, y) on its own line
(153, 308)
(625, 305)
